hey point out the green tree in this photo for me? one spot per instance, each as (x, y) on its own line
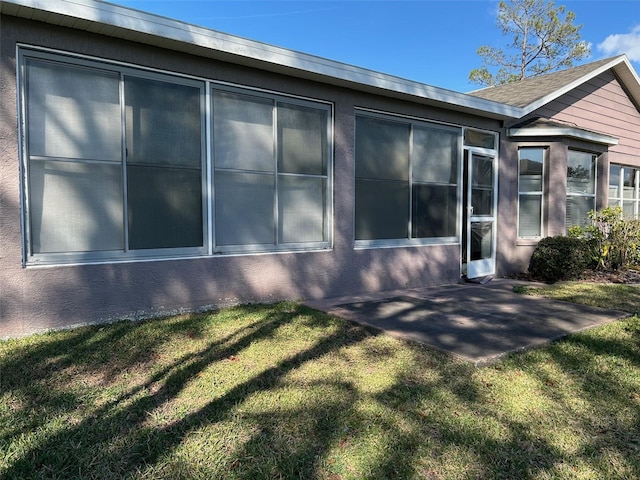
(543, 40)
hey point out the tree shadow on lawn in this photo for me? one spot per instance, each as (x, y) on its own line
(429, 417)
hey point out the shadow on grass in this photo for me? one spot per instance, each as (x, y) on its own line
(426, 417)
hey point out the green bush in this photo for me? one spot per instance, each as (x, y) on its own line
(613, 240)
(559, 258)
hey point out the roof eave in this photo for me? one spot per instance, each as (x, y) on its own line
(125, 23)
(620, 65)
(569, 132)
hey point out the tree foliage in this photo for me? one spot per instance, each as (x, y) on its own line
(543, 39)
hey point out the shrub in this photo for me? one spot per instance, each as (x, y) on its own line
(559, 258)
(613, 240)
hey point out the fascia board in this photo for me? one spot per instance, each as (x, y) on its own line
(127, 23)
(567, 88)
(563, 132)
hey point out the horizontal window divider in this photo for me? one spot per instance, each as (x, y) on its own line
(238, 170)
(161, 165)
(40, 158)
(435, 184)
(401, 243)
(309, 175)
(382, 180)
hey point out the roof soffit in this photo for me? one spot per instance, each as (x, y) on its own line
(129, 24)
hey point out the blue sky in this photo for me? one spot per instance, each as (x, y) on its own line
(430, 41)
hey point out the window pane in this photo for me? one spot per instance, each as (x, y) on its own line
(165, 207)
(581, 172)
(382, 149)
(382, 210)
(164, 158)
(73, 112)
(614, 181)
(243, 132)
(577, 209)
(531, 161)
(434, 211)
(244, 208)
(435, 155)
(530, 214)
(481, 240)
(629, 186)
(163, 123)
(75, 206)
(628, 208)
(301, 209)
(474, 138)
(302, 140)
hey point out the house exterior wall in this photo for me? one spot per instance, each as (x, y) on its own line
(40, 298)
(600, 105)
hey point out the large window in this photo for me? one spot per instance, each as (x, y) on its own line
(270, 172)
(530, 191)
(406, 181)
(581, 187)
(116, 165)
(624, 189)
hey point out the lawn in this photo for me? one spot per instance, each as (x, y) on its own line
(285, 392)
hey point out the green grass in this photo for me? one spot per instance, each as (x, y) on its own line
(284, 392)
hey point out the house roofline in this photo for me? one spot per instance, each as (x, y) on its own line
(125, 23)
(620, 65)
(570, 132)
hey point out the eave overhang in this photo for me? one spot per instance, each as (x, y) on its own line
(567, 132)
(133, 25)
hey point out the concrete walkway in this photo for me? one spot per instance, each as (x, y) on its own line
(479, 323)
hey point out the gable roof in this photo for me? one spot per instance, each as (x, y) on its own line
(125, 23)
(532, 93)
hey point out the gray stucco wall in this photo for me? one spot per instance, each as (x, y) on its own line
(514, 253)
(38, 298)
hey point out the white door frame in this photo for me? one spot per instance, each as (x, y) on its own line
(485, 264)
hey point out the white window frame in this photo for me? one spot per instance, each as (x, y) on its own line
(592, 196)
(206, 86)
(619, 200)
(539, 193)
(412, 241)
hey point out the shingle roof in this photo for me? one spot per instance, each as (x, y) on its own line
(527, 91)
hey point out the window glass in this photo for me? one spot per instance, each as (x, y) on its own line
(75, 206)
(435, 155)
(382, 210)
(581, 172)
(382, 149)
(302, 138)
(434, 211)
(581, 187)
(73, 112)
(530, 213)
(623, 189)
(243, 132)
(301, 207)
(531, 190)
(614, 181)
(164, 164)
(271, 172)
(115, 165)
(475, 138)
(74, 159)
(244, 208)
(406, 180)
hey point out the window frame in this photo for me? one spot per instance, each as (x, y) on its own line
(538, 193)
(621, 199)
(205, 86)
(410, 241)
(592, 196)
(276, 99)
